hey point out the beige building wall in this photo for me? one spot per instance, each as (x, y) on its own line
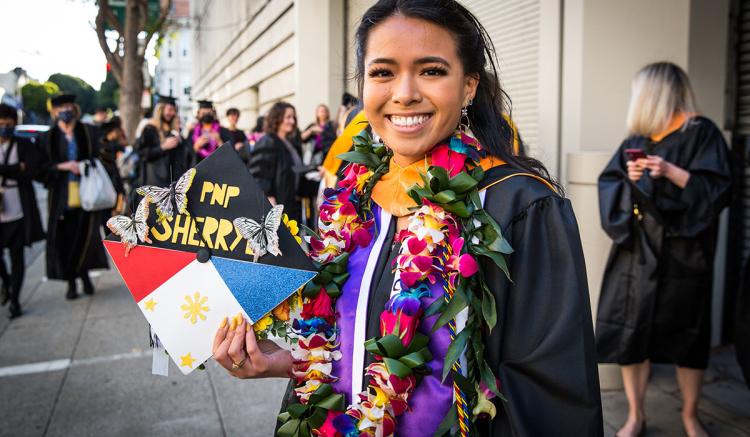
(244, 55)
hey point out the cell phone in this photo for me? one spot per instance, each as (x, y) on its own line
(635, 154)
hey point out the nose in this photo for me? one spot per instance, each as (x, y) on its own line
(406, 91)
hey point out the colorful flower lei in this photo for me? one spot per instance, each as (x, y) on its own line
(442, 241)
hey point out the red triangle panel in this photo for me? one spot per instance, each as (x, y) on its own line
(146, 268)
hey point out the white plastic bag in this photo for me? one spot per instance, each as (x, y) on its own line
(96, 189)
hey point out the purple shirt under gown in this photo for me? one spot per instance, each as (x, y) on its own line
(431, 399)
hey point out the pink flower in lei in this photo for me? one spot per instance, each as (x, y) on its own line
(454, 162)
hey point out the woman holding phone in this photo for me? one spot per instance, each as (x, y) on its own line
(660, 198)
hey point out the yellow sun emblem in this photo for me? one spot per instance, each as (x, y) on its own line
(195, 307)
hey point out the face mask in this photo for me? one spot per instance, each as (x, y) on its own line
(207, 119)
(6, 132)
(66, 116)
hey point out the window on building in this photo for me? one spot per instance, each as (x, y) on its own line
(171, 86)
(184, 53)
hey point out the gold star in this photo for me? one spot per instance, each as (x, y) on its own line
(187, 360)
(150, 304)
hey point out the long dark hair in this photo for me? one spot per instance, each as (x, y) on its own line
(477, 55)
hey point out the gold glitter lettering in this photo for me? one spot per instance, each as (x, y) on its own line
(207, 188)
(237, 239)
(218, 194)
(210, 226)
(163, 235)
(181, 229)
(231, 192)
(225, 228)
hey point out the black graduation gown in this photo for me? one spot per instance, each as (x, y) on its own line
(69, 254)
(656, 292)
(30, 155)
(542, 349)
(742, 325)
(271, 165)
(159, 167)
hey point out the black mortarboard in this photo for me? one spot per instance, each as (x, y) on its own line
(169, 100)
(220, 191)
(205, 104)
(62, 99)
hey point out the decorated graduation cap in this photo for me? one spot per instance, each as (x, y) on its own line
(62, 99)
(205, 104)
(209, 246)
(167, 100)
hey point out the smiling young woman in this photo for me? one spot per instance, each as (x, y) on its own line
(451, 269)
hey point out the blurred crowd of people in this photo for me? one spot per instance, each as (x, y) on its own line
(284, 159)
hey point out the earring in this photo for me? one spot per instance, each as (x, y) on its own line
(464, 123)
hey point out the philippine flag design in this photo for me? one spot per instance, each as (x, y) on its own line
(185, 300)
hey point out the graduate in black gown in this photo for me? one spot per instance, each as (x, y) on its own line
(660, 198)
(20, 223)
(164, 154)
(274, 158)
(420, 73)
(74, 245)
(206, 135)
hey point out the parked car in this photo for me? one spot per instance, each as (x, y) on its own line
(31, 131)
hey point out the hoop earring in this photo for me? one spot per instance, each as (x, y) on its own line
(464, 123)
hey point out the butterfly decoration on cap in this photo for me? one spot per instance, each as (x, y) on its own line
(172, 199)
(262, 237)
(131, 229)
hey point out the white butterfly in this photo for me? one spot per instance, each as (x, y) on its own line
(131, 229)
(167, 199)
(262, 237)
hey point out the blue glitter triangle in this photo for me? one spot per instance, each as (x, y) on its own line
(259, 288)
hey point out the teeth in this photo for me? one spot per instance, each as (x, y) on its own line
(408, 121)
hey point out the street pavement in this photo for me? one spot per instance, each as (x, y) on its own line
(83, 368)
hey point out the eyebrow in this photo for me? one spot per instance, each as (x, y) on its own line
(420, 61)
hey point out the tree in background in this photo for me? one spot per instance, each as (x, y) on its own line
(133, 31)
(109, 92)
(85, 93)
(35, 95)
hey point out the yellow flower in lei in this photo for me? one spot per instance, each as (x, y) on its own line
(293, 228)
(263, 324)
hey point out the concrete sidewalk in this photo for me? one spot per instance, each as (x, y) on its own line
(82, 368)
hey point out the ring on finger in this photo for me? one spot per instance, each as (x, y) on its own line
(236, 366)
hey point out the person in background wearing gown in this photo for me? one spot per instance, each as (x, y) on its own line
(274, 157)
(207, 134)
(163, 152)
(238, 136)
(418, 73)
(321, 133)
(20, 223)
(660, 197)
(74, 245)
(113, 144)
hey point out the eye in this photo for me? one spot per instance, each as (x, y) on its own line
(379, 72)
(434, 71)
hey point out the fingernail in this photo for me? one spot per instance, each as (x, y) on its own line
(223, 322)
(247, 328)
(233, 325)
